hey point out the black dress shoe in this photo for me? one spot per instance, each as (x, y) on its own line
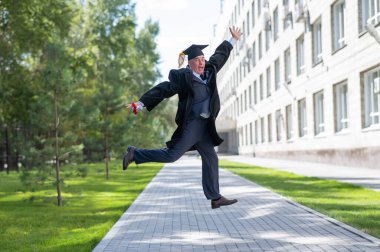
(222, 202)
(128, 157)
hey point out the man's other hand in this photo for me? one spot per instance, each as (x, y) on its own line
(135, 106)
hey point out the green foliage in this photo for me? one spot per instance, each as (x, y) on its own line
(86, 59)
(348, 203)
(30, 221)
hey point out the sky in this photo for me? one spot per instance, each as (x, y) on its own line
(182, 23)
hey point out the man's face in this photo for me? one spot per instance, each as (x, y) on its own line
(197, 64)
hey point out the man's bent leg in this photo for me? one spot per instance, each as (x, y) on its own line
(192, 133)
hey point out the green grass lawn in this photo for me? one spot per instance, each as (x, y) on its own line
(30, 220)
(353, 205)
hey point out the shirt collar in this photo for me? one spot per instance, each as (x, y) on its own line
(197, 75)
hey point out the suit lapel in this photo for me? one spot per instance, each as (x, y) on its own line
(196, 79)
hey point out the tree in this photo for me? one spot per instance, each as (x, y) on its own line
(25, 27)
(66, 70)
(125, 67)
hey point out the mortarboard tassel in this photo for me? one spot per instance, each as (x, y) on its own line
(181, 59)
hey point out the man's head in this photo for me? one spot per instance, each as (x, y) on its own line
(197, 64)
(196, 58)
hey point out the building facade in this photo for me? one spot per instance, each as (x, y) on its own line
(303, 82)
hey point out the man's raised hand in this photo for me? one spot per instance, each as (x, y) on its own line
(235, 32)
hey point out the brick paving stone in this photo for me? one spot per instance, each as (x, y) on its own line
(172, 214)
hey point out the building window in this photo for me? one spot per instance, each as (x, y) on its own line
(262, 127)
(269, 86)
(245, 101)
(237, 76)
(289, 122)
(278, 125)
(256, 132)
(241, 42)
(245, 67)
(255, 92)
(235, 14)
(267, 39)
(254, 54)
(253, 14)
(241, 137)
(275, 24)
(248, 28)
(319, 123)
(270, 128)
(237, 107)
(241, 72)
(287, 14)
(261, 88)
(340, 106)
(241, 104)
(277, 74)
(370, 13)
(338, 10)
(300, 55)
(302, 119)
(317, 41)
(233, 77)
(233, 110)
(260, 46)
(372, 98)
(259, 6)
(287, 63)
(247, 62)
(251, 133)
(250, 95)
(246, 134)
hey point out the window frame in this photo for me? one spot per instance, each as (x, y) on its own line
(278, 125)
(269, 126)
(300, 54)
(289, 122)
(275, 24)
(319, 113)
(262, 127)
(277, 74)
(317, 47)
(341, 121)
(371, 98)
(338, 23)
(369, 13)
(288, 66)
(302, 118)
(269, 81)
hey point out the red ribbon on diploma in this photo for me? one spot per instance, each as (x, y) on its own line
(134, 108)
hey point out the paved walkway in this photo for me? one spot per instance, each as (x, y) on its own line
(369, 178)
(172, 214)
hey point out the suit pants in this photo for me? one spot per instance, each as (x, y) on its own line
(195, 134)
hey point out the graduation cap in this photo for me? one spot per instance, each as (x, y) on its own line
(191, 52)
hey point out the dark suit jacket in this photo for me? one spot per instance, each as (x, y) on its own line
(181, 83)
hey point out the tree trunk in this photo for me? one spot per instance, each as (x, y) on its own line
(107, 155)
(18, 158)
(7, 164)
(58, 178)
